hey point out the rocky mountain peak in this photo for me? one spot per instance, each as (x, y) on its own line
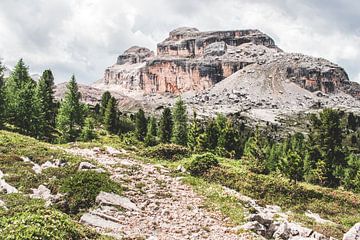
(189, 60)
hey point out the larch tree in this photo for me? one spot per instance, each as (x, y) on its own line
(180, 128)
(140, 125)
(166, 126)
(2, 97)
(150, 139)
(105, 98)
(110, 116)
(70, 116)
(20, 99)
(45, 104)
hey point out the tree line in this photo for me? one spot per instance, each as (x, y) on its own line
(328, 155)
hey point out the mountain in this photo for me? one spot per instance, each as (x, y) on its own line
(230, 71)
(192, 60)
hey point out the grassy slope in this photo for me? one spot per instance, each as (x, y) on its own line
(20, 175)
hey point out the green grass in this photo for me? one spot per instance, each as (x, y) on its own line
(215, 199)
(339, 206)
(48, 223)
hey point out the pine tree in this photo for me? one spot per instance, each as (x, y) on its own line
(150, 139)
(110, 116)
(180, 130)
(326, 139)
(255, 153)
(45, 104)
(125, 124)
(70, 117)
(227, 142)
(88, 132)
(140, 125)
(20, 99)
(292, 166)
(194, 133)
(105, 98)
(208, 140)
(166, 126)
(2, 97)
(351, 179)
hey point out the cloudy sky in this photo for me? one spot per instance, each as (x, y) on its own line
(85, 36)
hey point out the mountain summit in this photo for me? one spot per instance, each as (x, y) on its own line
(193, 60)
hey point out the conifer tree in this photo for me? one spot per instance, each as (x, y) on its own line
(150, 139)
(255, 153)
(208, 140)
(292, 166)
(105, 98)
(166, 126)
(180, 129)
(194, 133)
(20, 99)
(45, 104)
(110, 116)
(140, 125)
(70, 116)
(326, 138)
(2, 97)
(227, 143)
(88, 132)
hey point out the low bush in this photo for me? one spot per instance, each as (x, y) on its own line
(201, 164)
(43, 224)
(167, 152)
(82, 188)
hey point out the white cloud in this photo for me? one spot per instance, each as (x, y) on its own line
(85, 36)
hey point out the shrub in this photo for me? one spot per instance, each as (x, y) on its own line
(202, 164)
(167, 152)
(43, 224)
(82, 188)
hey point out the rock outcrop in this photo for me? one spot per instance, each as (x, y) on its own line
(192, 60)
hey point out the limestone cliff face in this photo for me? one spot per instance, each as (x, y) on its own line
(192, 60)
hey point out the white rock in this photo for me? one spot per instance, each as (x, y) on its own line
(7, 187)
(181, 168)
(4, 186)
(112, 151)
(97, 221)
(316, 217)
(116, 200)
(255, 227)
(353, 233)
(49, 164)
(86, 166)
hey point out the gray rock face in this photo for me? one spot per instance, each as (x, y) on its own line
(353, 233)
(116, 200)
(193, 60)
(134, 54)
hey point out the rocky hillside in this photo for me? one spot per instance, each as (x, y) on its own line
(192, 60)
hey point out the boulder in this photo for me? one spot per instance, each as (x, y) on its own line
(316, 217)
(97, 221)
(255, 227)
(287, 230)
(113, 199)
(112, 151)
(181, 168)
(264, 218)
(42, 192)
(4, 186)
(86, 166)
(353, 233)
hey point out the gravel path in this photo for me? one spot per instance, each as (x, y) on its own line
(169, 209)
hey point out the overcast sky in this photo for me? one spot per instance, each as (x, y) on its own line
(83, 37)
